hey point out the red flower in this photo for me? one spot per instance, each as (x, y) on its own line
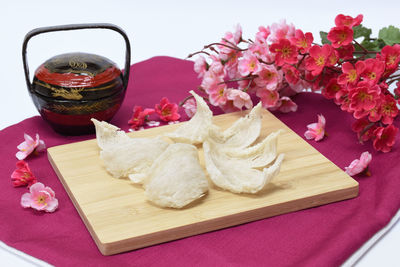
(314, 81)
(351, 74)
(139, 116)
(363, 98)
(385, 138)
(360, 127)
(345, 52)
(375, 113)
(388, 109)
(330, 90)
(302, 41)
(391, 56)
(340, 36)
(342, 99)
(284, 52)
(167, 111)
(318, 58)
(332, 58)
(23, 176)
(342, 20)
(291, 74)
(373, 70)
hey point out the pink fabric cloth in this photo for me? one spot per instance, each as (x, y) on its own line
(321, 236)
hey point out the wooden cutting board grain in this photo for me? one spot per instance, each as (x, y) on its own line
(120, 219)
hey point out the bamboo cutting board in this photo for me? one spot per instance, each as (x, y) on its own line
(120, 219)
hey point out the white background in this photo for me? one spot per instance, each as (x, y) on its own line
(173, 28)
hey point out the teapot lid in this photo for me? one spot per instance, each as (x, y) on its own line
(92, 75)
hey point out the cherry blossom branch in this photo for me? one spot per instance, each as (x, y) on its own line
(266, 63)
(248, 86)
(199, 52)
(221, 44)
(251, 77)
(184, 100)
(392, 81)
(362, 47)
(301, 60)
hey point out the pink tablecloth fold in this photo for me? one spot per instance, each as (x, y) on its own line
(322, 236)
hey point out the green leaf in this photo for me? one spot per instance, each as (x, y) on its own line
(390, 35)
(361, 31)
(371, 45)
(381, 44)
(324, 39)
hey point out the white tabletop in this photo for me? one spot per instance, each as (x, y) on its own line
(172, 28)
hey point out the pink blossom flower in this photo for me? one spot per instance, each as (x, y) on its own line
(261, 51)
(23, 175)
(240, 99)
(237, 35)
(286, 105)
(359, 165)
(268, 77)
(216, 66)
(40, 198)
(316, 130)
(167, 111)
(269, 98)
(190, 107)
(249, 64)
(139, 116)
(200, 66)
(281, 30)
(218, 97)
(230, 39)
(262, 35)
(292, 75)
(29, 146)
(211, 81)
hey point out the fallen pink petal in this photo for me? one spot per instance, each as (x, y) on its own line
(29, 146)
(360, 165)
(40, 197)
(316, 130)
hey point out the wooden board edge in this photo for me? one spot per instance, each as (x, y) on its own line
(226, 221)
(74, 201)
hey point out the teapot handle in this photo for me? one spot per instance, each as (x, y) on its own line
(69, 27)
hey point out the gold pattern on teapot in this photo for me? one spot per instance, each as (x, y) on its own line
(72, 94)
(83, 108)
(77, 64)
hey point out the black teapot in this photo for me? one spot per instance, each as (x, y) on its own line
(70, 89)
